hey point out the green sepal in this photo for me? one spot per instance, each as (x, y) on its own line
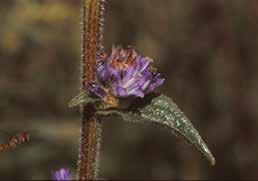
(162, 110)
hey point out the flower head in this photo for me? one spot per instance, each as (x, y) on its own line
(123, 74)
(62, 174)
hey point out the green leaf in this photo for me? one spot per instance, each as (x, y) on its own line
(82, 98)
(162, 110)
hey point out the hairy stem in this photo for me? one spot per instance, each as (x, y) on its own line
(92, 35)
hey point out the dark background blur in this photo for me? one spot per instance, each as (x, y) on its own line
(207, 51)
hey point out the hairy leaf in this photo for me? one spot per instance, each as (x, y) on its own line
(162, 110)
(82, 98)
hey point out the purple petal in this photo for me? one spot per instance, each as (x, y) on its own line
(136, 83)
(133, 86)
(156, 82)
(102, 71)
(62, 174)
(132, 90)
(137, 93)
(96, 90)
(135, 90)
(142, 63)
(128, 74)
(138, 79)
(113, 73)
(147, 79)
(120, 91)
(145, 85)
(141, 81)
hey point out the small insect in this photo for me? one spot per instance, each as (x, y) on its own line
(14, 141)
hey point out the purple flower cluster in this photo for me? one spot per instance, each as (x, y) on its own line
(62, 174)
(124, 73)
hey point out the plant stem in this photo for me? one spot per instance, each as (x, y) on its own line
(92, 35)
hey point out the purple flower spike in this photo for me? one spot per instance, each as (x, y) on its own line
(123, 74)
(62, 174)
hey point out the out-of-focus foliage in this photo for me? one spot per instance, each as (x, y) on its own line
(39, 52)
(206, 49)
(36, 41)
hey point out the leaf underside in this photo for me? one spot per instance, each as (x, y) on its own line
(162, 110)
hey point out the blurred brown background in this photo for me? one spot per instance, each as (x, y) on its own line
(207, 51)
